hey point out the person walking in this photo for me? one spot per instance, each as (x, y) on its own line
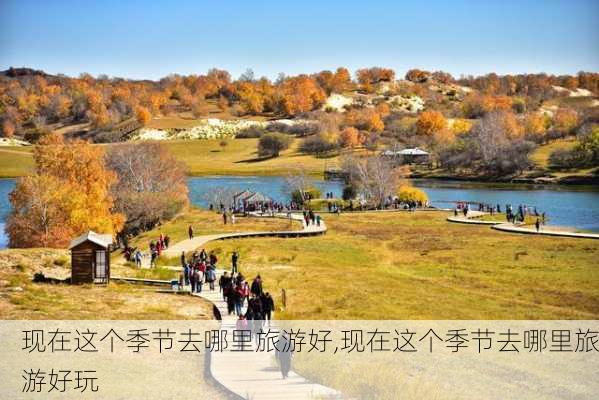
(225, 217)
(283, 354)
(268, 306)
(538, 224)
(238, 296)
(182, 258)
(234, 260)
(192, 278)
(138, 258)
(256, 288)
(190, 232)
(198, 278)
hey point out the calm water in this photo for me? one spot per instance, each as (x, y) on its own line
(570, 206)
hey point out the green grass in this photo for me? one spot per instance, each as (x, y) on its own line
(418, 266)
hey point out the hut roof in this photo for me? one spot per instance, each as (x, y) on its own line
(258, 197)
(413, 152)
(97, 238)
(243, 195)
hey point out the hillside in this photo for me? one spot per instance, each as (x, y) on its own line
(486, 127)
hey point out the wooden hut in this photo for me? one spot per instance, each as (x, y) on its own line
(90, 258)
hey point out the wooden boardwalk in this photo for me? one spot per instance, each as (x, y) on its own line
(199, 241)
(251, 374)
(514, 228)
(256, 375)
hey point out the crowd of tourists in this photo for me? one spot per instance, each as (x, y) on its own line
(200, 268)
(512, 215)
(134, 254)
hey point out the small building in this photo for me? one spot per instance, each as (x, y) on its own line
(250, 201)
(90, 258)
(408, 156)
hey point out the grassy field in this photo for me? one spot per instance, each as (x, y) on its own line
(20, 298)
(418, 266)
(240, 157)
(15, 161)
(202, 157)
(541, 154)
(204, 223)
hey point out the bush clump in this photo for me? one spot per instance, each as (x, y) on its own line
(318, 145)
(271, 144)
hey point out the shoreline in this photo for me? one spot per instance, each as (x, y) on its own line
(570, 181)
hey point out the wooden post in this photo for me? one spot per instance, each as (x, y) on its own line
(283, 299)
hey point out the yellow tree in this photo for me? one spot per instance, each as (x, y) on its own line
(461, 126)
(535, 124)
(142, 114)
(565, 120)
(430, 122)
(72, 186)
(349, 137)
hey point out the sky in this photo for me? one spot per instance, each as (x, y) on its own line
(152, 39)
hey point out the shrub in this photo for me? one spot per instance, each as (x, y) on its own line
(305, 129)
(349, 192)
(562, 159)
(408, 193)
(317, 144)
(250, 132)
(312, 193)
(61, 261)
(271, 144)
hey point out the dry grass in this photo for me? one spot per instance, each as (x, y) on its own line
(20, 298)
(202, 157)
(15, 161)
(240, 157)
(541, 154)
(418, 266)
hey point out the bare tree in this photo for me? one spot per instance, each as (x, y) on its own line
(151, 184)
(375, 178)
(220, 195)
(298, 181)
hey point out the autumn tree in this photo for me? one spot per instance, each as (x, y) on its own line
(150, 186)
(430, 122)
(417, 76)
(300, 94)
(75, 196)
(565, 120)
(535, 125)
(461, 126)
(142, 115)
(8, 128)
(349, 137)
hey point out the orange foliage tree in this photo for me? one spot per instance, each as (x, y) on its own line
(430, 122)
(142, 114)
(75, 196)
(349, 137)
(301, 94)
(8, 128)
(565, 120)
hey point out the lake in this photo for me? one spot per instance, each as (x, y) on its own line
(571, 206)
